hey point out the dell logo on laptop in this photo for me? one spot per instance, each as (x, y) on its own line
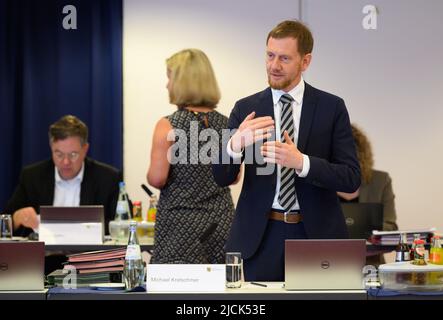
(3, 266)
(349, 221)
(325, 264)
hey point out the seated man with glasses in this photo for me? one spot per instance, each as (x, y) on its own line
(70, 179)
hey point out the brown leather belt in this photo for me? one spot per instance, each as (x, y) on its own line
(288, 217)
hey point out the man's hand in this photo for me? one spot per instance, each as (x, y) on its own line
(250, 131)
(349, 196)
(26, 217)
(283, 153)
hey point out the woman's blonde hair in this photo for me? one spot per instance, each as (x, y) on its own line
(364, 153)
(192, 79)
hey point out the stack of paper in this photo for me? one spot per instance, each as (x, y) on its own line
(91, 267)
(392, 237)
(97, 261)
(57, 277)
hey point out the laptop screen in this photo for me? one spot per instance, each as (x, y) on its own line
(362, 218)
(50, 214)
(64, 216)
(335, 264)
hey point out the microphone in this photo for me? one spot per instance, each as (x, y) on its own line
(149, 192)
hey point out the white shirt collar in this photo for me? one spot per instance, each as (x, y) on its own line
(77, 178)
(296, 93)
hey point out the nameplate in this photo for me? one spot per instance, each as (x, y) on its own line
(186, 277)
(71, 233)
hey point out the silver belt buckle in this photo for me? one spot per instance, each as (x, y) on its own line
(285, 217)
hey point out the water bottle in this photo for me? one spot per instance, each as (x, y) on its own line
(133, 272)
(122, 211)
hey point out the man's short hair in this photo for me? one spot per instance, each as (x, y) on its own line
(68, 126)
(296, 30)
(193, 79)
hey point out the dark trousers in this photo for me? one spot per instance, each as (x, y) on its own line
(268, 263)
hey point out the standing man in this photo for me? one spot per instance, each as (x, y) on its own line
(69, 179)
(313, 156)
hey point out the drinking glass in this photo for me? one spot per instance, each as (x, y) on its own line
(5, 226)
(233, 269)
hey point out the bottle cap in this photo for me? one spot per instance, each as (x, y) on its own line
(419, 241)
(137, 203)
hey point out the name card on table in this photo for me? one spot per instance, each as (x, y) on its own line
(186, 277)
(71, 233)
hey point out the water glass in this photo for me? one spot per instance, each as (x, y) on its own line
(233, 269)
(5, 226)
(119, 231)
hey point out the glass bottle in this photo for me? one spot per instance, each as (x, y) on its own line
(133, 272)
(436, 257)
(419, 253)
(412, 252)
(119, 227)
(152, 213)
(137, 211)
(137, 216)
(436, 254)
(122, 211)
(402, 252)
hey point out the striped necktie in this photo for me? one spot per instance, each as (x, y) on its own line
(286, 195)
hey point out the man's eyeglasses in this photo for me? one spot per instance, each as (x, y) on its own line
(60, 156)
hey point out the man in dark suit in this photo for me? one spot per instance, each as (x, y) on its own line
(69, 179)
(289, 187)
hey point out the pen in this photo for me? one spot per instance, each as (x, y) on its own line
(259, 284)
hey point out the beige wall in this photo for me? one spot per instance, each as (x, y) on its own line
(390, 78)
(231, 34)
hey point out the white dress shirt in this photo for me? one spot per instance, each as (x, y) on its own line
(67, 192)
(297, 94)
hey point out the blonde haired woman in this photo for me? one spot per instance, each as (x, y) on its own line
(190, 200)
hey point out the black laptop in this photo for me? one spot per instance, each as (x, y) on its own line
(362, 218)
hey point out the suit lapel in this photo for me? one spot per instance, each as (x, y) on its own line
(307, 116)
(86, 191)
(266, 105)
(48, 184)
(266, 108)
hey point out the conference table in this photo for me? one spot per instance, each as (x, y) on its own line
(148, 244)
(145, 245)
(273, 292)
(248, 292)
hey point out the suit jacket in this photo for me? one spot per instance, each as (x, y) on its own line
(325, 136)
(37, 183)
(379, 190)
